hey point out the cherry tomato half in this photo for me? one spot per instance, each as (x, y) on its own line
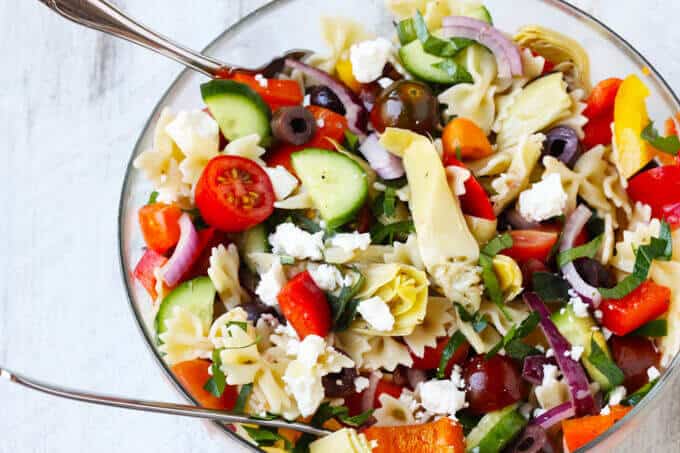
(527, 244)
(234, 194)
(160, 226)
(432, 356)
(659, 188)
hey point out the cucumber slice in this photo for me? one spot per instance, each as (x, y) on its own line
(337, 185)
(250, 241)
(197, 296)
(431, 68)
(579, 331)
(479, 12)
(238, 109)
(495, 430)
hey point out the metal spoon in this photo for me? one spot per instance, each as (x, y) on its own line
(153, 406)
(104, 16)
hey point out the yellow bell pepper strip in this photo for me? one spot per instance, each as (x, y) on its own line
(344, 70)
(631, 152)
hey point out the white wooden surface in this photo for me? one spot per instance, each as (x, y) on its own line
(72, 102)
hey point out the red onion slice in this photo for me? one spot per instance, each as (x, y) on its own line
(369, 394)
(579, 387)
(555, 415)
(532, 369)
(386, 164)
(575, 223)
(185, 253)
(355, 112)
(506, 52)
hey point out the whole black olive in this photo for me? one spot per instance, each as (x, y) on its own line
(294, 125)
(562, 142)
(594, 273)
(534, 439)
(323, 96)
(340, 385)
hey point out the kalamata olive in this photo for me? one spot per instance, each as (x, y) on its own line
(406, 104)
(340, 385)
(634, 355)
(294, 125)
(534, 439)
(562, 143)
(391, 72)
(257, 309)
(594, 273)
(324, 97)
(493, 384)
(517, 221)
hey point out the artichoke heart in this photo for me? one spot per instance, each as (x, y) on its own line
(509, 276)
(557, 48)
(447, 247)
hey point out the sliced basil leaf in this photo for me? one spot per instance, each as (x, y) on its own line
(437, 46)
(587, 250)
(344, 306)
(242, 399)
(669, 145)
(491, 285)
(351, 140)
(456, 340)
(387, 234)
(550, 287)
(604, 364)
(497, 245)
(153, 197)
(468, 420)
(242, 324)
(656, 328)
(454, 70)
(406, 31)
(519, 350)
(218, 381)
(595, 225)
(356, 420)
(264, 437)
(516, 333)
(638, 395)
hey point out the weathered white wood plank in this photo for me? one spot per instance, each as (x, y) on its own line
(71, 105)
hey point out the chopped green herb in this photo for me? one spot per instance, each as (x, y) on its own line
(218, 381)
(656, 328)
(437, 46)
(356, 420)
(196, 217)
(550, 287)
(491, 285)
(456, 340)
(660, 248)
(459, 153)
(394, 183)
(519, 350)
(587, 250)
(638, 395)
(604, 364)
(478, 320)
(387, 234)
(497, 245)
(265, 437)
(454, 70)
(669, 145)
(385, 204)
(242, 399)
(153, 197)
(595, 226)
(468, 420)
(344, 306)
(516, 333)
(242, 324)
(406, 31)
(351, 140)
(286, 259)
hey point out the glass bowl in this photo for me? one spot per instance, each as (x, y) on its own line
(288, 24)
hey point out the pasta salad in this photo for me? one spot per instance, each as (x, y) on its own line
(447, 239)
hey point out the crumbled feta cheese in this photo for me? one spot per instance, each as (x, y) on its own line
(361, 383)
(550, 353)
(259, 78)
(305, 387)
(194, 132)
(320, 123)
(369, 58)
(403, 193)
(310, 349)
(384, 82)
(376, 313)
(373, 444)
(606, 410)
(540, 348)
(290, 240)
(350, 242)
(544, 200)
(539, 411)
(282, 181)
(598, 315)
(580, 308)
(270, 284)
(457, 177)
(287, 330)
(552, 392)
(607, 333)
(617, 395)
(327, 277)
(563, 311)
(442, 397)
(525, 410)
(653, 373)
(575, 353)
(307, 100)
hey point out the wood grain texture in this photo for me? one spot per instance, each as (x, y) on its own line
(72, 103)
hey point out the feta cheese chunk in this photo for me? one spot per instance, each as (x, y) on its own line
(361, 383)
(282, 181)
(443, 397)
(195, 133)
(290, 240)
(617, 395)
(369, 58)
(544, 200)
(376, 313)
(351, 242)
(310, 349)
(457, 177)
(327, 277)
(653, 373)
(552, 392)
(270, 284)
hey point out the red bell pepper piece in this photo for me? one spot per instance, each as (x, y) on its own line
(144, 271)
(660, 189)
(600, 113)
(276, 93)
(646, 303)
(159, 223)
(193, 375)
(531, 244)
(579, 431)
(475, 202)
(305, 306)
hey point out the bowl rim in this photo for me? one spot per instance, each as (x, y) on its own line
(563, 5)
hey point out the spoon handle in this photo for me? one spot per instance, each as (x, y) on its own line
(103, 16)
(153, 406)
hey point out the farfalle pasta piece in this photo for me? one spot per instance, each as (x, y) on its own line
(339, 34)
(538, 105)
(517, 312)
(393, 412)
(509, 184)
(403, 288)
(639, 234)
(197, 135)
(248, 147)
(223, 272)
(433, 11)
(185, 338)
(269, 395)
(474, 101)
(435, 325)
(576, 120)
(405, 253)
(387, 353)
(668, 274)
(481, 342)
(354, 345)
(240, 356)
